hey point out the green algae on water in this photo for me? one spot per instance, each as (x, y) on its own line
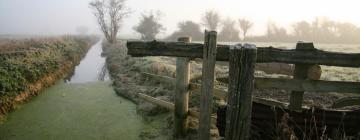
(90, 111)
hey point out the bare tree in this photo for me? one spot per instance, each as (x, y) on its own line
(187, 28)
(245, 25)
(302, 29)
(211, 20)
(109, 14)
(276, 33)
(149, 26)
(324, 29)
(347, 32)
(229, 32)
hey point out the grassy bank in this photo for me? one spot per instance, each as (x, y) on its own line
(29, 65)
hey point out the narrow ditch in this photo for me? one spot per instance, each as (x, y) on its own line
(83, 106)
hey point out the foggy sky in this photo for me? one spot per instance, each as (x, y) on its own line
(53, 17)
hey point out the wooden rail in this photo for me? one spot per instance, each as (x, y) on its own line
(165, 104)
(346, 101)
(218, 93)
(307, 85)
(264, 54)
(303, 85)
(276, 83)
(169, 106)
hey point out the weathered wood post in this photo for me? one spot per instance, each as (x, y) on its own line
(241, 84)
(300, 72)
(182, 93)
(207, 85)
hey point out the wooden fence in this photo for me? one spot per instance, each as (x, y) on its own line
(242, 60)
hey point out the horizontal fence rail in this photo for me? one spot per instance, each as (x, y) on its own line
(264, 54)
(304, 85)
(168, 105)
(287, 84)
(222, 94)
(218, 93)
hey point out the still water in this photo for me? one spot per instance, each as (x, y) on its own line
(84, 108)
(92, 67)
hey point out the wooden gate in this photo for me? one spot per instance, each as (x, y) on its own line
(242, 59)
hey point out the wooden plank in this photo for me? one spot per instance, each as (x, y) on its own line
(300, 72)
(264, 54)
(207, 85)
(170, 106)
(276, 83)
(269, 102)
(346, 101)
(159, 77)
(241, 85)
(303, 85)
(218, 93)
(194, 87)
(221, 94)
(307, 85)
(182, 93)
(167, 105)
(314, 72)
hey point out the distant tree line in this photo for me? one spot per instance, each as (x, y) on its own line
(110, 15)
(321, 29)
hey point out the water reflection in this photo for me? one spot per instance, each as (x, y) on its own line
(104, 74)
(91, 68)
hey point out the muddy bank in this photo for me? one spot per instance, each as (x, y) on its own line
(28, 66)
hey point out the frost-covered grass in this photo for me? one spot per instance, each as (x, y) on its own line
(25, 62)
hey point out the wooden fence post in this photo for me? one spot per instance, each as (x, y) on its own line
(207, 85)
(182, 93)
(241, 84)
(300, 72)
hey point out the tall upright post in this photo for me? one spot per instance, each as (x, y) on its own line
(241, 84)
(182, 93)
(207, 85)
(300, 72)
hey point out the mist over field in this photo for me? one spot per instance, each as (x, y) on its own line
(179, 69)
(43, 17)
